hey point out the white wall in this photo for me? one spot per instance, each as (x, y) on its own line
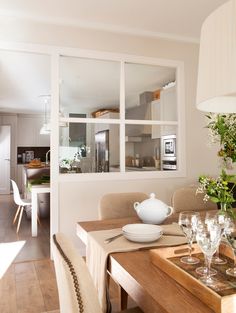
(79, 201)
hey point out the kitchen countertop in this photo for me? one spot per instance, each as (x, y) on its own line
(36, 172)
(144, 168)
(43, 165)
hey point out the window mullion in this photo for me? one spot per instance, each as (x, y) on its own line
(122, 117)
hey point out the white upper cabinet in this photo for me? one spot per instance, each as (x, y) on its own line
(168, 110)
(29, 132)
(156, 115)
(164, 109)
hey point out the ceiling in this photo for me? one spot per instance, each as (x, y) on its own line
(25, 77)
(170, 18)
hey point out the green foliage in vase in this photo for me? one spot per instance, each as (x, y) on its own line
(219, 190)
(222, 129)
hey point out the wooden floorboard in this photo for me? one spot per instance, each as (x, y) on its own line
(29, 284)
(29, 287)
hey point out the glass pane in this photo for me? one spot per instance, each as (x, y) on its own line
(149, 150)
(89, 148)
(146, 96)
(90, 87)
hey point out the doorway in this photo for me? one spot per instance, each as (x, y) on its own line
(26, 77)
(5, 161)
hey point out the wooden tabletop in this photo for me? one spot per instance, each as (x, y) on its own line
(84, 227)
(152, 289)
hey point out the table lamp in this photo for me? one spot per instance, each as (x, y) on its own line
(216, 88)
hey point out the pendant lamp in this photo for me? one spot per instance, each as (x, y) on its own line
(45, 129)
(216, 87)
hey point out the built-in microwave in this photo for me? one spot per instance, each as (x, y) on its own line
(168, 152)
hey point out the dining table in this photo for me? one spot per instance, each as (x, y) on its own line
(35, 191)
(151, 288)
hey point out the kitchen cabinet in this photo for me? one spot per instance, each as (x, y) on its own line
(109, 115)
(28, 131)
(164, 109)
(156, 115)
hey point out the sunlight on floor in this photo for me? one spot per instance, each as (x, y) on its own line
(8, 252)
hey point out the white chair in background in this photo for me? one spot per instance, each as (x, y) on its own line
(22, 204)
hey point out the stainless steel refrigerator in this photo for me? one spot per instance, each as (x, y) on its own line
(102, 151)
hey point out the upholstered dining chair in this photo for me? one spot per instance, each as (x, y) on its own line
(186, 199)
(119, 205)
(22, 204)
(75, 286)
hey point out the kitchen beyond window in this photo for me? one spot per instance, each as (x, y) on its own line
(122, 111)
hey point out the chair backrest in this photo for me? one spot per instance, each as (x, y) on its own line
(75, 286)
(119, 205)
(16, 193)
(186, 199)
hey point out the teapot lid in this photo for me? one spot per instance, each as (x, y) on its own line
(152, 195)
(152, 201)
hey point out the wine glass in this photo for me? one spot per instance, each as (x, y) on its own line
(202, 270)
(221, 219)
(188, 222)
(231, 237)
(208, 238)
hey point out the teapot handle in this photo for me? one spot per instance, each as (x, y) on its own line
(171, 210)
(136, 205)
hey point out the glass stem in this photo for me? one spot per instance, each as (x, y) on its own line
(190, 242)
(217, 254)
(208, 259)
(234, 250)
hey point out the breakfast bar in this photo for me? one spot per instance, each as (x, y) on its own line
(35, 191)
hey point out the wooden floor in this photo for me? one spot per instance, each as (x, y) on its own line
(29, 284)
(29, 287)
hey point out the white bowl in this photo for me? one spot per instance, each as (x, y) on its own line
(142, 232)
(143, 238)
(143, 229)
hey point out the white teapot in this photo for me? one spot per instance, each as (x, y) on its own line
(152, 210)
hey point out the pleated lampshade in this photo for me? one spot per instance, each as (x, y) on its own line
(216, 89)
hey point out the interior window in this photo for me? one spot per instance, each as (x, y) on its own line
(92, 97)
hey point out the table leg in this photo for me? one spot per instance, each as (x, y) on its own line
(123, 298)
(34, 226)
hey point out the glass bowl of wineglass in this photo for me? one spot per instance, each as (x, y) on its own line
(188, 221)
(221, 219)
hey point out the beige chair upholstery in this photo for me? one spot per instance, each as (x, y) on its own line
(186, 199)
(118, 205)
(75, 286)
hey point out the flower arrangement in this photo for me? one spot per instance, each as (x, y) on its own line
(219, 190)
(222, 129)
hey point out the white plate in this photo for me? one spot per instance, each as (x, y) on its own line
(142, 229)
(152, 238)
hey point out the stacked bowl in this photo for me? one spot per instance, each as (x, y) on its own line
(142, 232)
